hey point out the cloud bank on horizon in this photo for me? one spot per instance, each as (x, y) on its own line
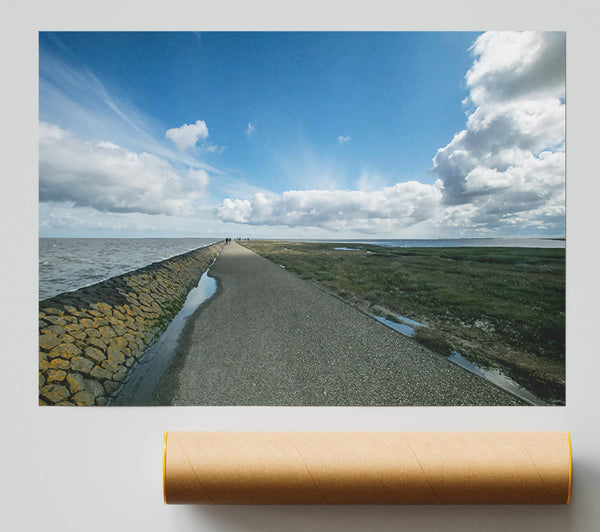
(503, 174)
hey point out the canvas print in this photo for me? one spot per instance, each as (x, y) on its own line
(302, 218)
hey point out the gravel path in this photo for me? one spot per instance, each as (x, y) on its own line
(270, 338)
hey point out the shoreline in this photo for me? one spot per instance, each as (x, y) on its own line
(91, 339)
(70, 264)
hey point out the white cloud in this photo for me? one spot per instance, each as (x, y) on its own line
(250, 129)
(236, 210)
(187, 135)
(341, 139)
(213, 148)
(110, 178)
(517, 65)
(200, 179)
(403, 204)
(508, 165)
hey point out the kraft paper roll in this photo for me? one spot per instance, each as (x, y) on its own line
(367, 468)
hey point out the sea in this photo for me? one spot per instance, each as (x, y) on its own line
(66, 264)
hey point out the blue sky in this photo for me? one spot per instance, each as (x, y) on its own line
(320, 135)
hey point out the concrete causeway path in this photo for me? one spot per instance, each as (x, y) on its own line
(270, 338)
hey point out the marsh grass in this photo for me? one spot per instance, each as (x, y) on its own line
(499, 307)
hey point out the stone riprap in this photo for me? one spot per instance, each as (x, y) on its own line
(91, 338)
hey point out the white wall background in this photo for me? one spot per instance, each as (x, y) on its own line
(100, 469)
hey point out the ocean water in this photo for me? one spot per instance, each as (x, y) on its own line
(66, 264)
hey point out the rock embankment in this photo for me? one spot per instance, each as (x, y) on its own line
(90, 339)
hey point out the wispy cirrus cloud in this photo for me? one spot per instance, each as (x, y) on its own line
(341, 139)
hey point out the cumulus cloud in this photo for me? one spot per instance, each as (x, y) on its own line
(517, 65)
(508, 165)
(250, 129)
(187, 135)
(341, 139)
(110, 178)
(402, 204)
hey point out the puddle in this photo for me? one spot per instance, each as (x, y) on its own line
(498, 378)
(347, 249)
(409, 321)
(405, 327)
(142, 381)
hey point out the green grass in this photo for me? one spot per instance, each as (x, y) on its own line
(500, 307)
(168, 312)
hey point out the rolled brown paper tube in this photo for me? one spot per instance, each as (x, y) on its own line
(367, 468)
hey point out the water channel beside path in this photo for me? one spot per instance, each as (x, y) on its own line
(139, 388)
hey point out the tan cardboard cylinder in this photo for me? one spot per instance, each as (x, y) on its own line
(367, 468)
